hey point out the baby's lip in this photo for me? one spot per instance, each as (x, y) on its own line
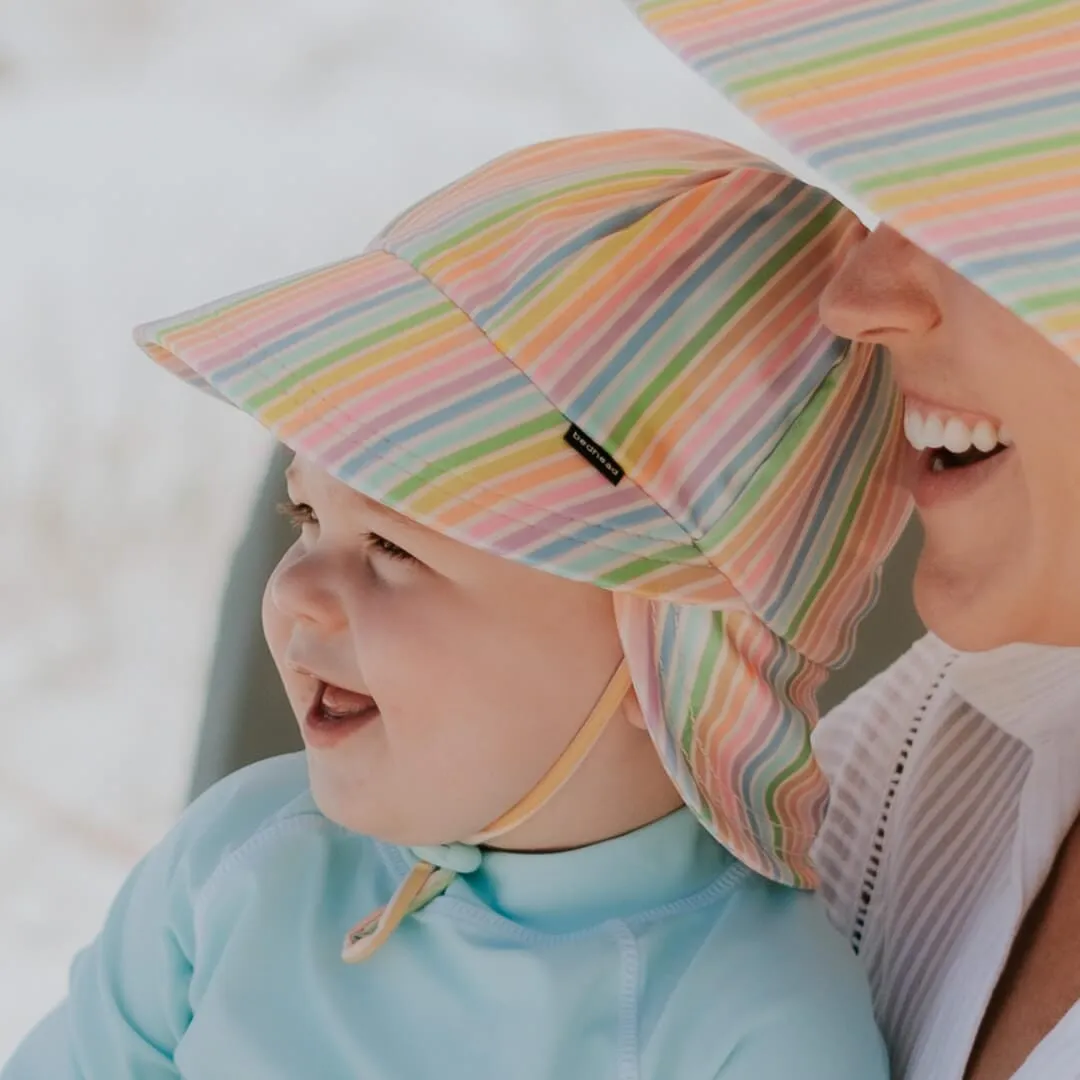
(338, 701)
(336, 714)
(319, 677)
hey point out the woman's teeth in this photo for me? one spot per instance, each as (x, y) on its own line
(936, 431)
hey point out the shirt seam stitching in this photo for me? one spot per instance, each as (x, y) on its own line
(872, 868)
(629, 1050)
(467, 912)
(306, 819)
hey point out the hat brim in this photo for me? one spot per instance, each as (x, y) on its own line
(369, 371)
(954, 123)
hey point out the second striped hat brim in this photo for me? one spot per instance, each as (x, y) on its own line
(955, 121)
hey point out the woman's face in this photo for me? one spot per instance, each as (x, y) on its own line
(993, 410)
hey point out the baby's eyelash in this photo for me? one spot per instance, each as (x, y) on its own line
(298, 513)
(388, 547)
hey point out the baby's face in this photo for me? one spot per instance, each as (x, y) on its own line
(434, 684)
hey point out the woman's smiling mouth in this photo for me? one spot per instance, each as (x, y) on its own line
(960, 451)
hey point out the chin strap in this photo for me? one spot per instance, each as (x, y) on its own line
(426, 880)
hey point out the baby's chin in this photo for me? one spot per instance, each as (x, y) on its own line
(371, 810)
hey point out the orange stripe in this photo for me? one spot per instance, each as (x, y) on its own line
(840, 85)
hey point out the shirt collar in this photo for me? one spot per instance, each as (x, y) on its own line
(661, 863)
(1030, 691)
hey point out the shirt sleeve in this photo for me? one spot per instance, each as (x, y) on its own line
(811, 1043)
(803, 1000)
(127, 1004)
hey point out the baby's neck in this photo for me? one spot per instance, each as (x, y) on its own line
(620, 787)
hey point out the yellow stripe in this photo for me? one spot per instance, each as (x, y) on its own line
(394, 353)
(492, 467)
(1041, 171)
(907, 59)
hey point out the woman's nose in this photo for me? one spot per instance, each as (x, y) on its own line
(884, 292)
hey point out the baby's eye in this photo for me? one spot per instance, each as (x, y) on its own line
(300, 514)
(388, 547)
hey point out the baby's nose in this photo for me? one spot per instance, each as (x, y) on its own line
(300, 589)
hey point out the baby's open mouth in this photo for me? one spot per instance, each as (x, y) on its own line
(335, 712)
(336, 703)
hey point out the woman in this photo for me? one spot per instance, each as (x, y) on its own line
(952, 851)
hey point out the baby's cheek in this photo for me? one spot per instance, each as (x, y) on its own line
(277, 628)
(275, 625)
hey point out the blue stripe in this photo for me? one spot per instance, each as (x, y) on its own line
(608, 227)
(587, 533)
(765, 435)
(849, 454)
(1061, 253)
(385, 298)
(760, 771)
(753, 228)
(892, 139)
(455, 410)
(840, 22)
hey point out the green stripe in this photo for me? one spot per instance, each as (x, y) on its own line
(853, 502)
(350, 348)
(739, 299)
(628, 572)
(795, 766)
(788, 445)
(1047, 301)
(995, 155)
(467, 455)
(706, 666)
(543, 198)
(914, 37)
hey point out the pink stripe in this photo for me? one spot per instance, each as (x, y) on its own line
(254, 321)
(898, 106)
(403, 399)
(594, 507)
(956, 232)
(242, 338)
(600, 329)
(746, 402)
(569, 489)
(701, 34)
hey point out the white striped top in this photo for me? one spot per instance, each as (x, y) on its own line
(955, 778)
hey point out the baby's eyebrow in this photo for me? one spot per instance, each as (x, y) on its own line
(387, 514)
(371, 506)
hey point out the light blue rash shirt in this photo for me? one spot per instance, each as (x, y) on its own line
(653, 956)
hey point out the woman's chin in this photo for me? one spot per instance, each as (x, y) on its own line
(962, 612)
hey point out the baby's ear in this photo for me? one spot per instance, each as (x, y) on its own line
(632, 710)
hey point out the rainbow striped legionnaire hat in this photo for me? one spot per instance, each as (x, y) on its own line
(601, 356)
(955, 121)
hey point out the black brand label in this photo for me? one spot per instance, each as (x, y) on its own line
(595, 455)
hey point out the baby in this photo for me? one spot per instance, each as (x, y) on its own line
(588, 502)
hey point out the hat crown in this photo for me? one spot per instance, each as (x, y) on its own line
(602, 357)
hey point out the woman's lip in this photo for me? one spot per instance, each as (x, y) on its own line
(928, 407)
(321, 733)
(933, 490)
